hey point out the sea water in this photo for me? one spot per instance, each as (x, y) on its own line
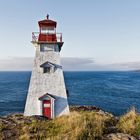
(115, 92)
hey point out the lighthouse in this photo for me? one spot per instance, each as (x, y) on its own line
(47, 94)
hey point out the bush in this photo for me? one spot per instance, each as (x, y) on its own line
(137, 126)
(130, 123)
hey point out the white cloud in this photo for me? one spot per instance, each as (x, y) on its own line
(68, 63)
(76, 64)
(16, 64)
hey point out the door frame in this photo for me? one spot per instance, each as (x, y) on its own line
(50, 97)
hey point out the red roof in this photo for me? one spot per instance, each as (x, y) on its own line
(47, 23)
(47, 94)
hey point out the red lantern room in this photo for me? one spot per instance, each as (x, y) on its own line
(47, 33)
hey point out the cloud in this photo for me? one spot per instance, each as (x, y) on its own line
(126, 66)
(16, 64)
(25, 63)
(68, 63)
(76, 64)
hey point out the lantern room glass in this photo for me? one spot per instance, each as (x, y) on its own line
(47, 30)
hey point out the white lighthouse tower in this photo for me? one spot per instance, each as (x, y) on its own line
(47, 94)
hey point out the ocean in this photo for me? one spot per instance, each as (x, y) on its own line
(115, 92)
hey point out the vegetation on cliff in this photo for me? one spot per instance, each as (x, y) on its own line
(83, 123)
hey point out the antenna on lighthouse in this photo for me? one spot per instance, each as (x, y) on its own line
(47, 16)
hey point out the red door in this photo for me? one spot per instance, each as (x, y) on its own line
(47, 108)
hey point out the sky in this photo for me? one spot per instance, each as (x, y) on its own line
(97, 34)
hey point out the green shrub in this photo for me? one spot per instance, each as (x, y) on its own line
(137, 126)
(130, 123)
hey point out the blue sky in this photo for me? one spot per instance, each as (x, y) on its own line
(106, 31)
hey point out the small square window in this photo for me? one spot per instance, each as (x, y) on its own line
(56, 48)
(45, 48)
(47, 69)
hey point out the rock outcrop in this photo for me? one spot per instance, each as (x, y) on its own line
(119, 136)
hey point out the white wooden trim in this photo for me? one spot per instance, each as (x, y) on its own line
(52, 109)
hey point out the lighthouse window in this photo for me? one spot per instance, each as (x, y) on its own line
(44, 47)
(56, 48)
(47, 69)
(47, 30)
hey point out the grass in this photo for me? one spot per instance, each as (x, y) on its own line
(79, 125)
(130, 123)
